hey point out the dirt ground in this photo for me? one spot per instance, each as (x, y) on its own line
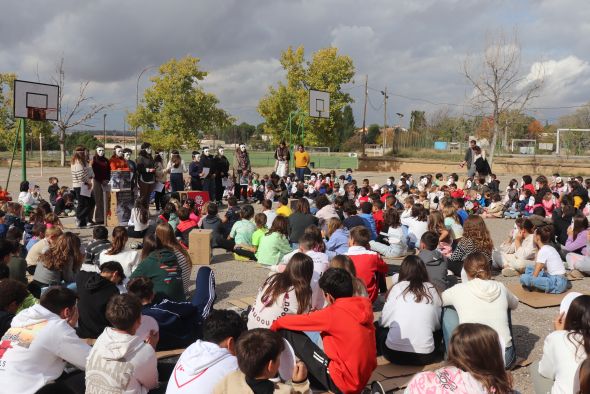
(241, 279)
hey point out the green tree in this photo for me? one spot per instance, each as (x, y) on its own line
(372, 133)
(83, 138)
(417, 120)
(175, 109)
(345, 125)
(327, 71)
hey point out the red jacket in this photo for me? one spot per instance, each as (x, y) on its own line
(367, 263)
(378, 217)
(348, 334)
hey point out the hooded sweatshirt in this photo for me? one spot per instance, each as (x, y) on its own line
(161, 266)
(483, 301)
(436, 266)
(338, 242)
(200, 368)
(121, 363)
(94, 293)
(348, 334)
(367, 263)
(34, 351)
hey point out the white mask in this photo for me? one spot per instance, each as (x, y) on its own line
(119, 152)
(100, 152)
(127, 155)
(327, 179)
(220, 152)
(389, 182)
(198, 157)
(206, 152)
(312, 178)
(424, 181)
(148, 151)
(450, 182)
(243, 148)
(468, 184)
(537, 185)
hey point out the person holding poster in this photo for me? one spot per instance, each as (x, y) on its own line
(282, 156)
(222, 172)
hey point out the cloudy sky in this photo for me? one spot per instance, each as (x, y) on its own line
(414, 47)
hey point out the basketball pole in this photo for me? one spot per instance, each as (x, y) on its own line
(13, 153)
(23, 148)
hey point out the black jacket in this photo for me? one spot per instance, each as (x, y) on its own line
(222, 166)
(145, 162)
(94, 292)
(208, 162)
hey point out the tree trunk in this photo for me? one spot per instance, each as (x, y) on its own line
(62, 147)
(493, 143)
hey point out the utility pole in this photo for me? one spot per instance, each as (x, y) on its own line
(385, 97)
(104, 129)
(364, 132)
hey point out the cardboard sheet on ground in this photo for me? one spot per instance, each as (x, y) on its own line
(535, 299)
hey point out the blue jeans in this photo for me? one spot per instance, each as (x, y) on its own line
(176, 182)
(450, 320)
(300, 172)
(554, 284)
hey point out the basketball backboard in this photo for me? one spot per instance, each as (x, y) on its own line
(319, 104)
(36, 101)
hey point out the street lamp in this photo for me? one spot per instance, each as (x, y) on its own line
(137, 101)
(104, 129)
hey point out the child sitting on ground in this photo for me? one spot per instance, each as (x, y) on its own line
(53, 189)
(392, 242)
(548, 274)
(494, 210)
(259, 352)
(64, 203)
(283, 207)
(139, 221)
(370, 267)
(348, 335)
(206, 362)
(249, 251)
(100, 241)
(185, 226)
(435, 262)
(117, 351)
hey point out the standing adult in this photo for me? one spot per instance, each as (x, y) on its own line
(147, 172)
(301, 162)
(195, 170)
(469, 159)
(222, 172)
(81, 178)
(176, 168)
(92, 204)
(282, 156)
(242, 167)
(208, 174)
(132, 165)
(102, 175)
(124, 198)
(160, 181)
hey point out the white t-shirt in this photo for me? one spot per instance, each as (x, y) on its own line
(560, 361)
(411, 324)
(129, 259)
(551, 259)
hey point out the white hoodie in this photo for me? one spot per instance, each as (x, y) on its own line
(121, 363)
(200, 367)
(34, 351)
(483, 301)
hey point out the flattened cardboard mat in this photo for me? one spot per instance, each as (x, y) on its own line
(535, 299)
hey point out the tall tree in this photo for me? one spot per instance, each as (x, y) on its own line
(345, 126)
(176, 108)
(75, 113)
(417, 120)
(498, 83)
(328, 71)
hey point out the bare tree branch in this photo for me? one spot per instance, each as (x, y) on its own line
(79, 113)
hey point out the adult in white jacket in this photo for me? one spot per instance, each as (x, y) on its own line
(480, 300)
(40, 341)
(564, 349)
(120, 361)
(206, 362)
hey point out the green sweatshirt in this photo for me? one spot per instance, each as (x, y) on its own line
(161, 266)
(272, 248)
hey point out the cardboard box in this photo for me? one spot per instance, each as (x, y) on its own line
(199, 248)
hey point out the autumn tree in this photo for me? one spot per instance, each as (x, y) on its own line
(175, 109)
(326, 70)
(535, 128)
(498, 84)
